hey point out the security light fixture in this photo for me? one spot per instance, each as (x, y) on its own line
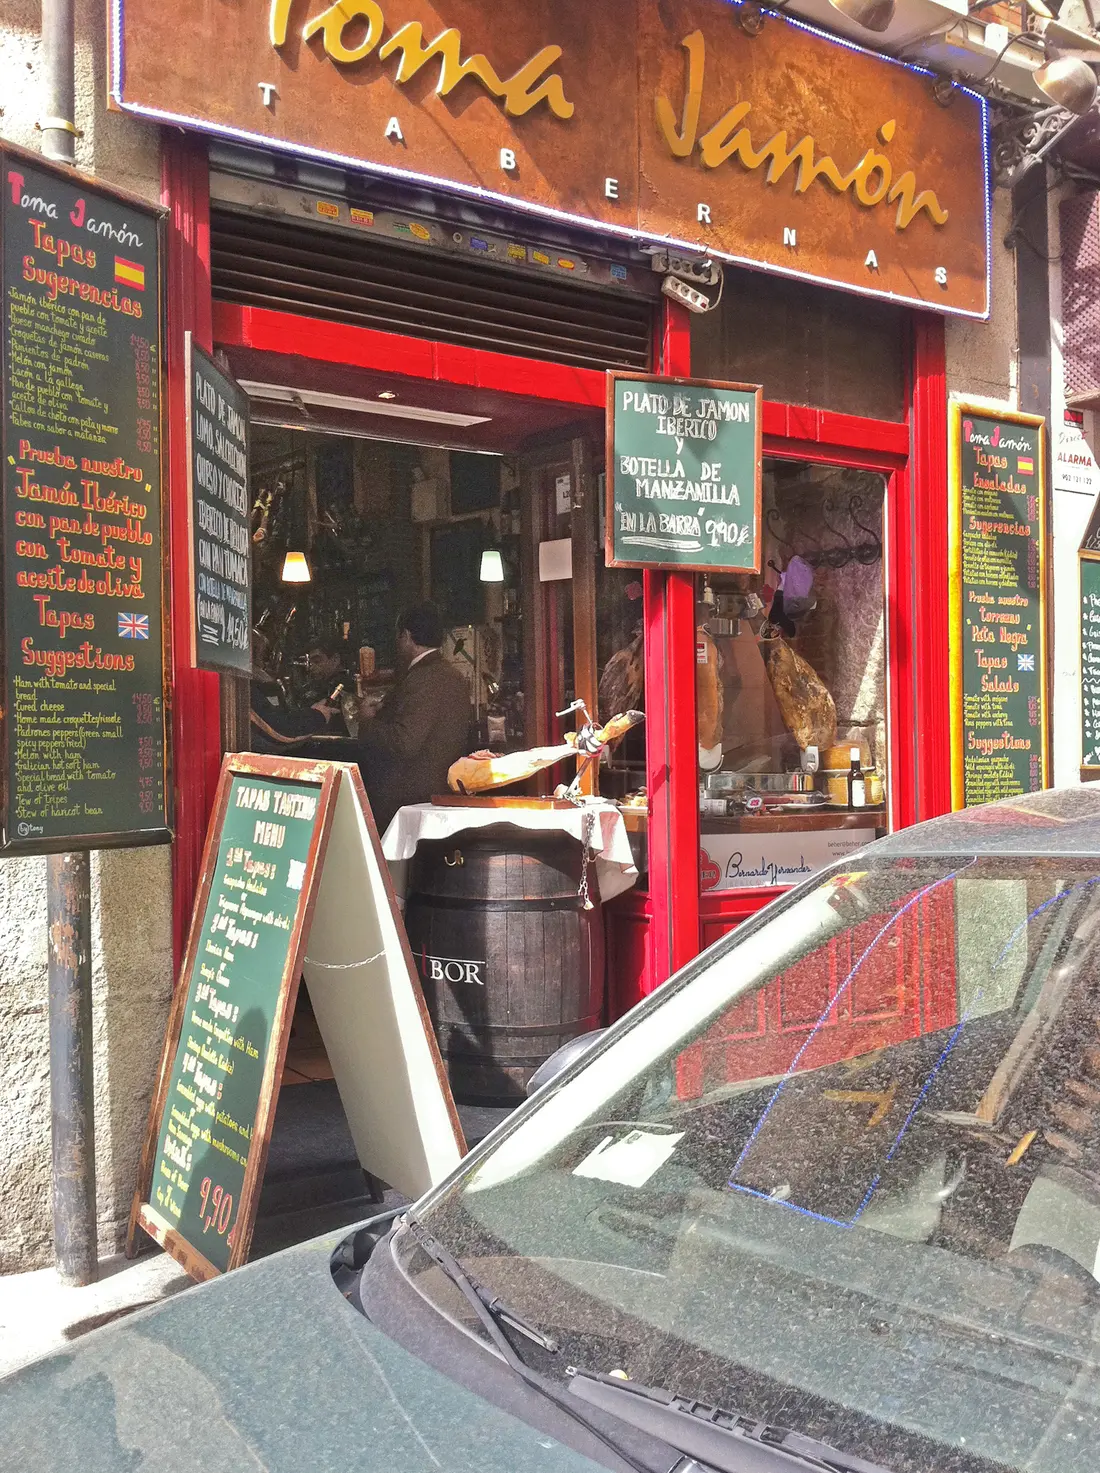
(872, 15)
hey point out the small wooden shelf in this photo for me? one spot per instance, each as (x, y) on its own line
(813, 820)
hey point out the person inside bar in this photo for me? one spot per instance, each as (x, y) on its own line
(326, 672)
(422, 727)
(276, 724)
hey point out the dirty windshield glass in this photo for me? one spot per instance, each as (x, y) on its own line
(845, 1179)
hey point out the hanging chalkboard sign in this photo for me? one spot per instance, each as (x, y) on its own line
(999, 637)
(221, 516)
(292, 864)
(684, 474)
(84, 760)
(1090, 666)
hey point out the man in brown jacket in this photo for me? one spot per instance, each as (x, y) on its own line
(422, 726)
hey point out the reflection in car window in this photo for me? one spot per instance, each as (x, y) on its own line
(845, 1177)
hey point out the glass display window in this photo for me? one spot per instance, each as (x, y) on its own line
(791, 684)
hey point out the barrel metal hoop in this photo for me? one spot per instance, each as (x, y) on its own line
(470, 1033)
(461, 902)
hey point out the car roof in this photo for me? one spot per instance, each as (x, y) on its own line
(1060, 821)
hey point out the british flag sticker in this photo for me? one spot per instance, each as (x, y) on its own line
(133, 626)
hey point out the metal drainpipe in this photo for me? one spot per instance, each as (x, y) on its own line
(68, 876)
(59, 81)
(72, 1105)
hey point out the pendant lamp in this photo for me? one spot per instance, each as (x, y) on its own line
(295, 568)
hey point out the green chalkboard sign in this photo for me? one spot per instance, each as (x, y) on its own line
(226, 1040)
(1090, 664)
(83, 628)
(684, 474)
(999, 687)
(221, 516)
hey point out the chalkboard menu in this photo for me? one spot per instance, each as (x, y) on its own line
(227, 1036)
(84, 740)
(221, 516)
(1090, 665)
(998, 589)
(684, 468)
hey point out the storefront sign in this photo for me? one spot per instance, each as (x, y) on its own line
(84, 738)
(1075, 467)
(784, 148)
(1090, 665)
(221, 541)
(684, 482)
(998, 606)
(292, 879)
(740, 861)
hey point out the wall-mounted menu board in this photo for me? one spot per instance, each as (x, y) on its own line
(998, 527)
(83, 629)
(1090, 665)
(227, 1036)
(221, 516)
(684, 464)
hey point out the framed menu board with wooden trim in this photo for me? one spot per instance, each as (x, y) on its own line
(264, 878)
(684, 474)
(999, 605)
(220, 506)
(85, 748)
(1090, 667)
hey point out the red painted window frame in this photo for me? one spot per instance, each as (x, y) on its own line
(913, 456)
(914, 452)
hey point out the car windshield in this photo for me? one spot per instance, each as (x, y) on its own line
(844, 1176)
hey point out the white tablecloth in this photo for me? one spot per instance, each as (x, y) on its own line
(610, 843)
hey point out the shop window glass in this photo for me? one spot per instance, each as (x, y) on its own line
(805, 345)
(791, 681)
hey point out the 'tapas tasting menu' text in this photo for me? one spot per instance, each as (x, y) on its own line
(1001, 644)
(230, 1018)
(84, 672)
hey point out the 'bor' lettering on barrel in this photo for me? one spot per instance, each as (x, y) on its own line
(449, 969)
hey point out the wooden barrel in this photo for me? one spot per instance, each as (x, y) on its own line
(511, 962)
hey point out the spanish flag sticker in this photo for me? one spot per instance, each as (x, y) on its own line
(1025, 466)
(129, 273)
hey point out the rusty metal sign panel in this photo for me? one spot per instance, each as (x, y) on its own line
(774, 145)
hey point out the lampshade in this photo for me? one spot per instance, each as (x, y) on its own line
(1068, 81)
(295, 568)
(872, 15)
(492, 566)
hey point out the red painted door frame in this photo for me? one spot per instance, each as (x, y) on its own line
(194, 695)
(671, 739)
(914, 453)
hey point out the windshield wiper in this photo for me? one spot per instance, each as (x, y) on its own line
(728, 1442)
(492, 1303)
(491, 1312)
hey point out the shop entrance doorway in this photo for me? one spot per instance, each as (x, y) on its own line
(484, 507)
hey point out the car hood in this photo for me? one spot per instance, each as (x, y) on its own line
(267, 1368)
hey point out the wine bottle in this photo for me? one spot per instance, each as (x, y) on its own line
(857, 782)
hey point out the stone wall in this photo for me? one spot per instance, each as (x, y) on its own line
(131, 890)
(982, 360)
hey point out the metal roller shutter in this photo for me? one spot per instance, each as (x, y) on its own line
(260, 262)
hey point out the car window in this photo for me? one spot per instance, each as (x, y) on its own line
(844, 1177)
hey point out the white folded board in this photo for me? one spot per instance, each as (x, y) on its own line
(368, 1004)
